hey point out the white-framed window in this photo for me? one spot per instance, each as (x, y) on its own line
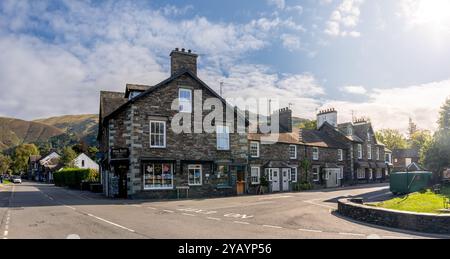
(340, 154)
(158, 176)
(349, 130)
(255, 174)
(370, 174)
(360, 153)
(315, 153)
(408, 161)
(254, 149)
(396, 160)
(341, 173)
(223, 137)
(368, 136)
(195, 175)
(377, 151)
(379, 173)
(315, 173)
(185, 100)
(293, 152)
(157, 134)
(369, 152)
(294, 174)
(388, 157)
(361, 173)
(269, 172)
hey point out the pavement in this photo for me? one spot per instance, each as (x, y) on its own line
(35, 210)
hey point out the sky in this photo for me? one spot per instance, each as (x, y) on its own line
(382, 59)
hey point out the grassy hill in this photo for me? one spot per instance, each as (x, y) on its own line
(14, 132)
(84, 127)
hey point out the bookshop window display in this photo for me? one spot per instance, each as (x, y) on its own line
(158, 176)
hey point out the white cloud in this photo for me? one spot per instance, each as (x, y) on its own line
(344, 19)
(256, 81)
(430, 14)
(391, 108)
(357, 89)
(105, 46)
(291, 42)
(280, 4)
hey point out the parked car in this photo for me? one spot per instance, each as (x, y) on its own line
(17, 179)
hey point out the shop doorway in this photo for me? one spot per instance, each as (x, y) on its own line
(121, 172)
(240, 181)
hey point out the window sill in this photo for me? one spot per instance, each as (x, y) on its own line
(159, 189)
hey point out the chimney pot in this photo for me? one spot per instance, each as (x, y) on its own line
(177, 49)
(189, 51)
(183, 49)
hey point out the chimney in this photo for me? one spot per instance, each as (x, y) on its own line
(182, 59)
(329, 116)
(285, 120)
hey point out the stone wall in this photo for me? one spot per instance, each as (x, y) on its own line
(421, 222)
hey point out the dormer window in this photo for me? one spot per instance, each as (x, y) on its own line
(133, 94)
(350, 131)
(368, 136)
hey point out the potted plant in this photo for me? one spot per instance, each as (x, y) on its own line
(264, 185)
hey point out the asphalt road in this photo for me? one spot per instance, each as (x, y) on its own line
(33, 210)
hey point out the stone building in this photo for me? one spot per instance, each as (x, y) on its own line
(146, 156)
(402, 158)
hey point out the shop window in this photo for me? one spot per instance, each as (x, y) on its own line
(158, 176)
(195, 175)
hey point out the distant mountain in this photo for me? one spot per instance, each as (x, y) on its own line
(14, 132)
(83, 127)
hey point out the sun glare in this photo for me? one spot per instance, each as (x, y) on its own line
(434, 13)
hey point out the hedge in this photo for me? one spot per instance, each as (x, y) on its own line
(73, 177)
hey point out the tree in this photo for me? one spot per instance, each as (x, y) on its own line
(21, 155)
(68, 155)
(392, 138)
(436, 153)
(444, 116)
(419, 138)
(5, 163)
(308, 125)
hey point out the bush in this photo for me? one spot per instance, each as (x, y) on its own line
(305, 186)
(73, 177)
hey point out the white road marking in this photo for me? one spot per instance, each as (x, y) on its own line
(70, 207)
(151, 208)
(276, 197)
(217, 219)
(5, 234)
(73, 236)
(187, 214)
(310, 230)
(270, 226)
(169, 211)
(241, 222)
(111, 223)
(351, 234)
(137, 206)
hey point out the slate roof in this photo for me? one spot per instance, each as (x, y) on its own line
(287, 138)
(164, 83)
(135, 88)
(318, 138)
(109, 102)
(405, 153)
(35, 158)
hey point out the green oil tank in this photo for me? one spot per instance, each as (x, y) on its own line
(409, 182)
